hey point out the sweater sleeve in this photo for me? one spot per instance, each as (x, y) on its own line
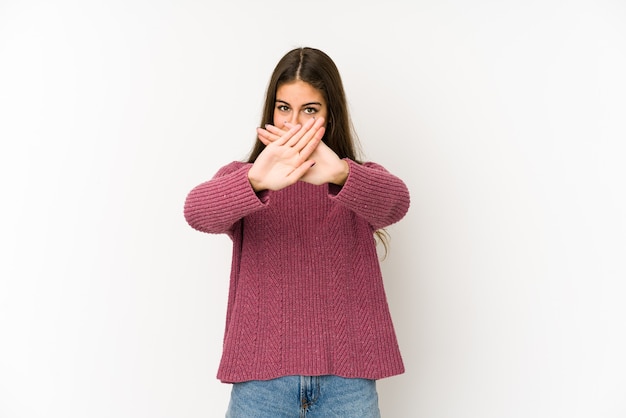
(373, 193)
(216, 205)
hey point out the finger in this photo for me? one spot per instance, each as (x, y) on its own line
(287, 136)
(262, 137)
(310, 146)
(265, 136)
(300, 171)
(288, 125)
(301, 133)
(313, 132)
(276, 130)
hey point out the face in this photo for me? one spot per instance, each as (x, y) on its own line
(297, 102)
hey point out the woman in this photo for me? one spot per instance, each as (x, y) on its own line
(308, 329)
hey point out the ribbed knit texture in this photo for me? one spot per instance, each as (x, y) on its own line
(306, 292)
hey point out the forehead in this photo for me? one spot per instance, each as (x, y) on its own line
(298, 91)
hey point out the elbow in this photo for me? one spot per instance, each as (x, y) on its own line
(394, 212)
(203, 220)
(193, 217)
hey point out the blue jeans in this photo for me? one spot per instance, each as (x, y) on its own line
(304, 396)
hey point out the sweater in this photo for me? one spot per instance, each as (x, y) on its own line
(306, 293)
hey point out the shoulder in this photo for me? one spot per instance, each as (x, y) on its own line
(367, 166)
(373, 165)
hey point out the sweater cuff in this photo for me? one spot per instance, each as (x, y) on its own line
(353, 187)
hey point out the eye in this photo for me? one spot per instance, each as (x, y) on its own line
(310, 110)
(282, 108)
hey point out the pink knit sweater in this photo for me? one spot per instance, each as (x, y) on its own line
(306, 292)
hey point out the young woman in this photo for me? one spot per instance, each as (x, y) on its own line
(308, 329)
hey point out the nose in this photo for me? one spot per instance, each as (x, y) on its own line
(295, 118)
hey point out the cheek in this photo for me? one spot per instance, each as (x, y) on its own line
(279, 119)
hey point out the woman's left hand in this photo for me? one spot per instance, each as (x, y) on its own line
(328, 168)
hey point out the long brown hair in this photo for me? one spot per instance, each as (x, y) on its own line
(317, 69)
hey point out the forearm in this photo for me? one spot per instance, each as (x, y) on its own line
(374, 194)
(214, 206)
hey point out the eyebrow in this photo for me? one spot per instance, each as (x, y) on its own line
(305, 104)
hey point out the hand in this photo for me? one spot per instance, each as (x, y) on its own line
(287, 158)
(329, 168)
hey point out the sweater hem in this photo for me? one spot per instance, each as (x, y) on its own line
(370, 376)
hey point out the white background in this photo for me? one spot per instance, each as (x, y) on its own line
(505, 118)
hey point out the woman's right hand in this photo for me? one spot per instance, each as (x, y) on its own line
(284, 161)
